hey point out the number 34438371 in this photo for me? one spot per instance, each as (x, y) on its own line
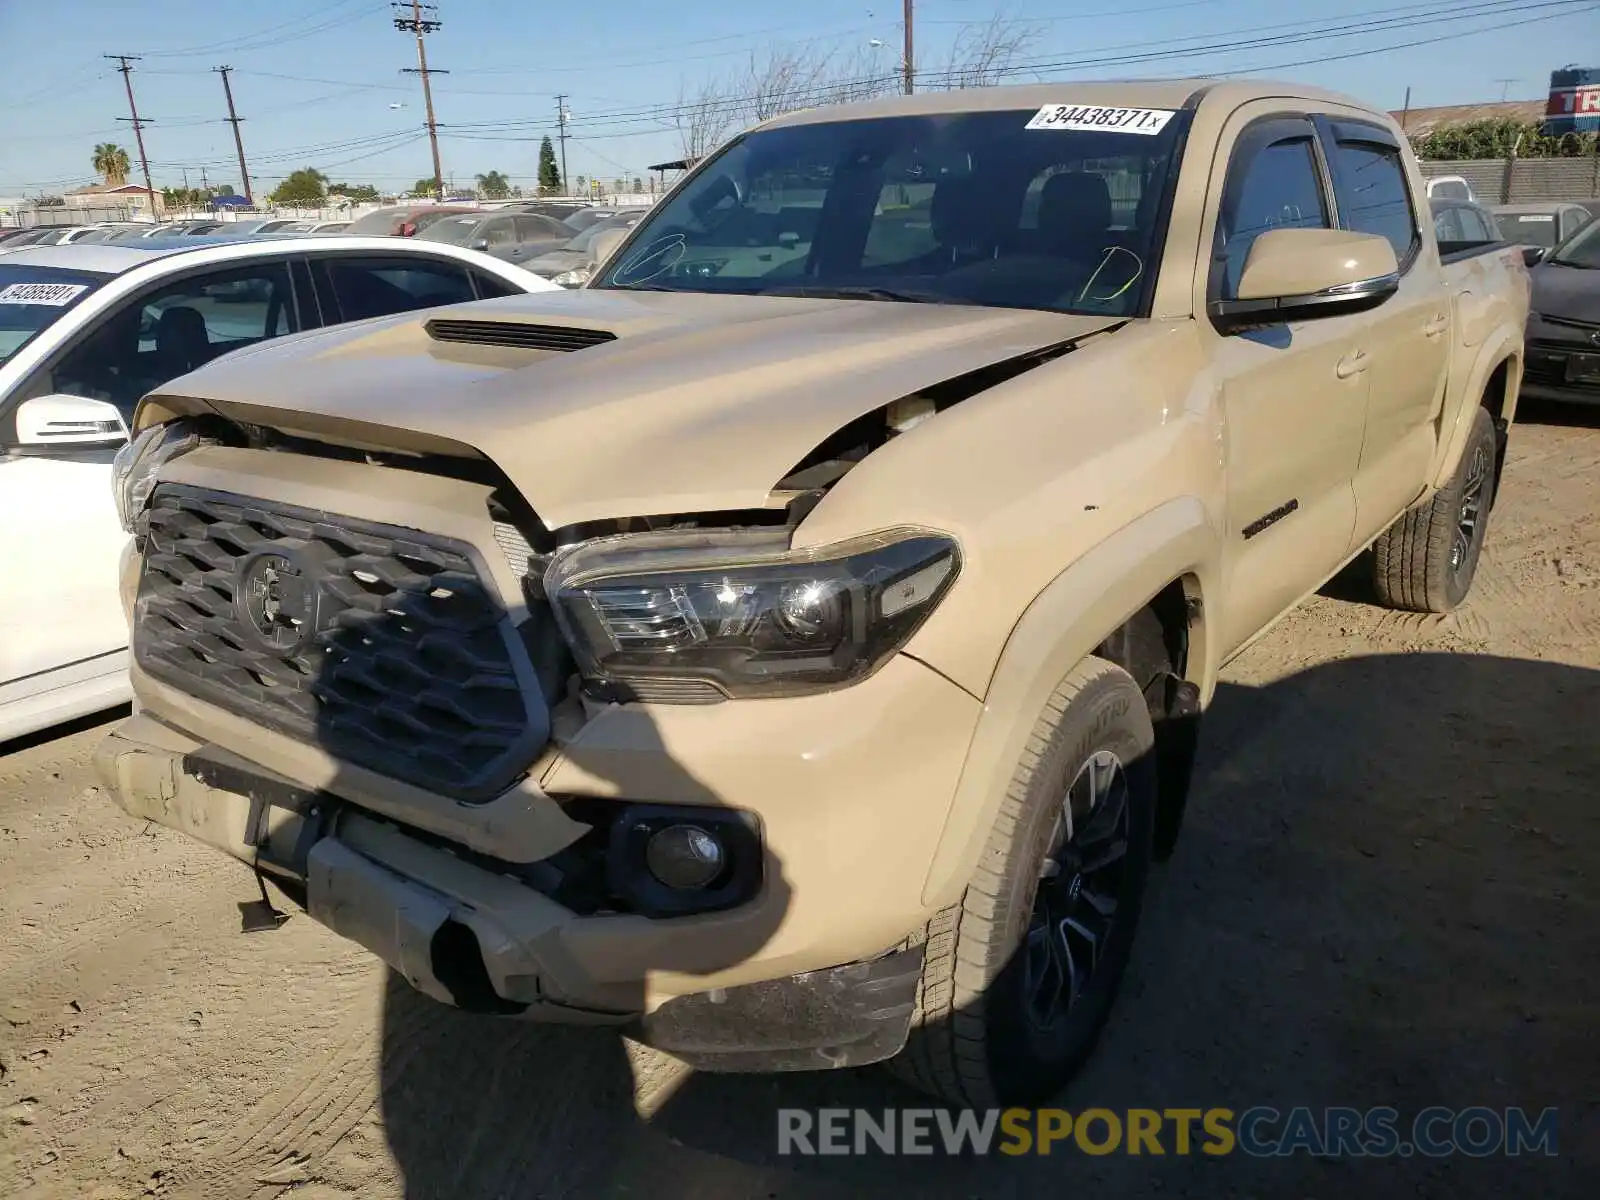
(1147, 121)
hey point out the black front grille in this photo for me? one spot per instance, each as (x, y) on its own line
(1547, 364)
(517, 334)
(379, 644)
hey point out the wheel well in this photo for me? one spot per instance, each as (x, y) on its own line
(1497, 399)
(1153, 646)
(1154, 642)
(1496, 392)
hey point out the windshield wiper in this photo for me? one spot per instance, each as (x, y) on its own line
(1572, 262)
(850, 292)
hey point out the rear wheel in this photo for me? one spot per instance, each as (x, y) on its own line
(1019, 977)
(1425, 561)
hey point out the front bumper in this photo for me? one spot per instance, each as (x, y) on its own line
(851, 788)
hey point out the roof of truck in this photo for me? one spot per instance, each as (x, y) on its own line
(1129, 93)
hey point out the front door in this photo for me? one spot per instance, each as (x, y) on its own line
(1293, 395)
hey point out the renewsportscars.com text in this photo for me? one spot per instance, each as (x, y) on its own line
(1260, 1132)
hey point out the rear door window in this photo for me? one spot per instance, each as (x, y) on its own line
(356, 288)
(1370, 183)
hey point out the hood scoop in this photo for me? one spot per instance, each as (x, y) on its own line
(517, 334)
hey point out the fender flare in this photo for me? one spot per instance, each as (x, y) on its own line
(1453, 435)
(1063, 625)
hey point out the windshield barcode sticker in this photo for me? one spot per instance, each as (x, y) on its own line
(56, 295)
(1106, 120)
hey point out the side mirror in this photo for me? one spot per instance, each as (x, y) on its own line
(1297, 274)
(1532, 256)
(481, 244)
(63, 423)
(605, 245)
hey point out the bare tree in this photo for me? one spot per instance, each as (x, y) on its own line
(984, 53)
(704, 118)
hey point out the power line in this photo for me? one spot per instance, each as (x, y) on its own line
(125, 65)
(418, 24)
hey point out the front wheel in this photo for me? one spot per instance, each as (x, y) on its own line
(1425, 561)
(1019, 976)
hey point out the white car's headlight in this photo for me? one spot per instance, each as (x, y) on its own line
(572, 278)
(134, 470)
(742, 611)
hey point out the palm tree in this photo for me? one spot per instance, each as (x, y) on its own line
(494, 186)
(111, 163)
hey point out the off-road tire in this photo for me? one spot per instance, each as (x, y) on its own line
(1412, 565)
(971, 1043)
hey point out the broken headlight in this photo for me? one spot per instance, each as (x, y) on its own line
(744, 612)
(133, 471)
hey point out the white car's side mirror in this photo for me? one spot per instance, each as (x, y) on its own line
(65, 424)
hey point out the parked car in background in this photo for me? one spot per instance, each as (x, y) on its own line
(559, 209)
(584, 218)
(104, 233)
(314, 227)
(1541, 223)
(574, 261)
(85, 331)
(1460, 223)
(403, 220)
(1450, 187)
(511, 236)
(1564, 325)
(17, 238)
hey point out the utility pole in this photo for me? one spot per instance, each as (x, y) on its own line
(125, 65)
(907, 64)
(238, 142)
(1505, 87)
(562, 116)
(418, 24)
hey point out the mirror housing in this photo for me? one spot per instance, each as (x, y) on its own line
(60, 423)
(481, 244)
(1532, 256)
(1300, 274)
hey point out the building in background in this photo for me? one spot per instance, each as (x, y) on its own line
(129, 196)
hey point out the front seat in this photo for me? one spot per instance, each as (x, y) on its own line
(1075, 217)
(961, 216)
(181, 341)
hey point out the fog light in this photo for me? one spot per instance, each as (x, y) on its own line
(684, 857)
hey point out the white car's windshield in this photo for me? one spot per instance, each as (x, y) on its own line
(1057, 209)
(34, 298)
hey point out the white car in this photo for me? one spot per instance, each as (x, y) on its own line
(85, 331)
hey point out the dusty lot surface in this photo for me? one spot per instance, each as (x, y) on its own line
(1387, 894)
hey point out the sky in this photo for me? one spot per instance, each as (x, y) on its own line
(321, 84)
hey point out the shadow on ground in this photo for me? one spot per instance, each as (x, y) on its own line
(1386, 895)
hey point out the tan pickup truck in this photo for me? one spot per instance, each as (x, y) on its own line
(790, 646)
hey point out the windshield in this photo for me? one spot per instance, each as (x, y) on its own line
(1049, 210)
(455, 231)
(1582, 249)
(34, 298)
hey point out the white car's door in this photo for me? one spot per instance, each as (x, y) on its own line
(59, 539)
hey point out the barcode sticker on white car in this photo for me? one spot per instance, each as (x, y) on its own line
(56, 295)
(1147, 121)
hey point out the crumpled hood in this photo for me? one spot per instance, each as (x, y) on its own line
(700, 403)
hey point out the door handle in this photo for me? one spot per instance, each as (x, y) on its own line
(1436, 326)
(1351, 364)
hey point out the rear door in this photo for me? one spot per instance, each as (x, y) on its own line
(1407, 338)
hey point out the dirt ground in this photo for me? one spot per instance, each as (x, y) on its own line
(1387, 893)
